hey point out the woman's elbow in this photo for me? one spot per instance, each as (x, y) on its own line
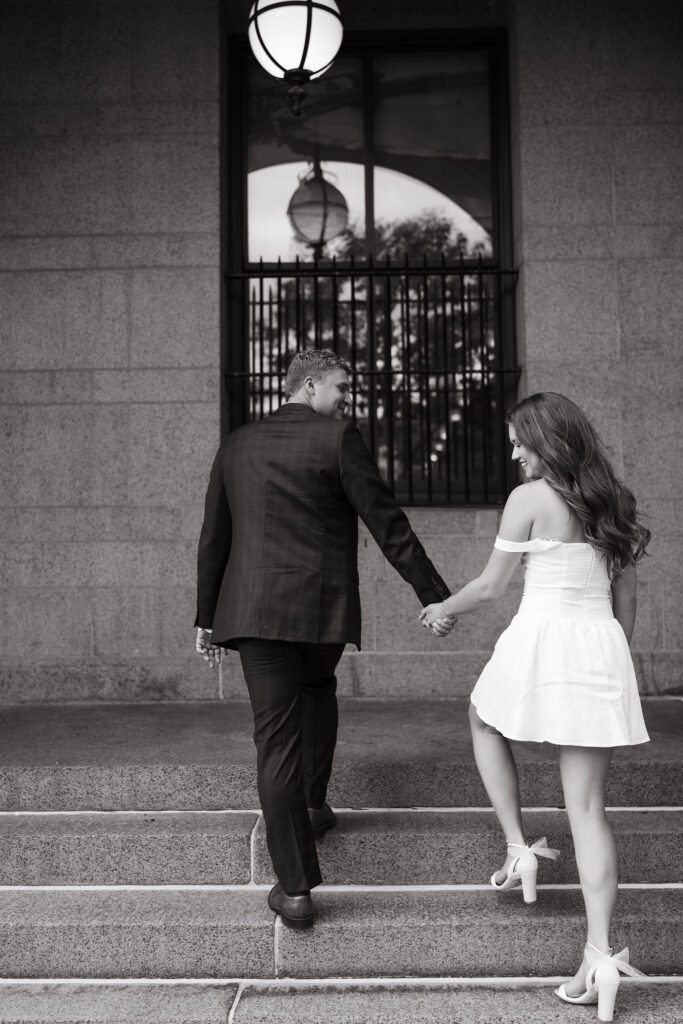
(490, 590)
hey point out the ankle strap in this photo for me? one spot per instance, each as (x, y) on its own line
(540, 848)
(600, 952)
(620, 960)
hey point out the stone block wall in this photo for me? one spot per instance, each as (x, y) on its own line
(109, 283)
(109, 320)
(597, 98)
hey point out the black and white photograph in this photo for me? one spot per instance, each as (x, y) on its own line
(341, 485)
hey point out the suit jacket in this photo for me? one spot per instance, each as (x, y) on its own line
(278, 551)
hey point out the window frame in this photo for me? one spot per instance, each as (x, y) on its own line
(234, 205)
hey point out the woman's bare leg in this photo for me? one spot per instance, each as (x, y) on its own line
(498, 771)
(584, 777)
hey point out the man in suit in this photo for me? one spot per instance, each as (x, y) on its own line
(278, 581)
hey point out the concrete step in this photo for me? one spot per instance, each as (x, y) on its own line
(115, 1003)
(127, 848)
(200, 757)
(287, 1003)
(367, 847)
(447, 1004)
(465, 847)
(228, 933)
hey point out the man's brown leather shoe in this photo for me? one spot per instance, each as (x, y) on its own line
(322, 819)
(295, 911)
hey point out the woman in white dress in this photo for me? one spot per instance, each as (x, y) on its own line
(562, 671)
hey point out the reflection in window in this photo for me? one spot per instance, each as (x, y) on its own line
(431, 123)
(425, 213)
(404, 137)
(419, 296)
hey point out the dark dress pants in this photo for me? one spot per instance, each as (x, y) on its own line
(292, 687)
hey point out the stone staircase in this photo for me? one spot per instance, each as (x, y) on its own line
(134, 874)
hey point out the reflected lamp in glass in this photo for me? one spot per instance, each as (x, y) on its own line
(296, 40)
(317, 211)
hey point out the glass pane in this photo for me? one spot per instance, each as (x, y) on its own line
(282, 149)
(432, 154)
(429, 388)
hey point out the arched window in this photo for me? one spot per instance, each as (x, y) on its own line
(377, 224)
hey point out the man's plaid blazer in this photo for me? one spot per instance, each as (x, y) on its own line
(278, 551)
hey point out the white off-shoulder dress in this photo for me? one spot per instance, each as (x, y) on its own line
(562, 671)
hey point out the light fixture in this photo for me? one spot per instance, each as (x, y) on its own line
(317, 211)
(296, 40)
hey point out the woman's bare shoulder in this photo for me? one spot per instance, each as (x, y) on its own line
(529, 494)
(518, 514)
(542, 493)
(537, 498)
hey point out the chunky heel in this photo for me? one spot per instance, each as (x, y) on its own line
(607, 982)
(602, 980)
(607, 994)
(529, 884)
(524, 868)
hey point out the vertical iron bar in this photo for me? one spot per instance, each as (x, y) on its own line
(407, 382)
(252, 349)
(428, 411)
(277, 383)
(288, 302)
(316, 308)
(500, 389)
(446, 413)
(465, 382)
(453, 423)
(420, 379)
(388, 377)
(261, 326)
(297, 306)
(483, 357)
(372, 359)
(354, 343)
(335, 307)
(471, 394)
(271, 347)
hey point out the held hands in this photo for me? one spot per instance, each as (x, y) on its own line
(433, 618)
(209, 651)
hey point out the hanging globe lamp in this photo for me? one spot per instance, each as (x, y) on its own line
(296, 40)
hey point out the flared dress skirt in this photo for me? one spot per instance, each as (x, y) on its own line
(562, 671)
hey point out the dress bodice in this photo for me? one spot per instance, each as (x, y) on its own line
(563, 579)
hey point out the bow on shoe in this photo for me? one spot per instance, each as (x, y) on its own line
(620, 961)
(541, 849)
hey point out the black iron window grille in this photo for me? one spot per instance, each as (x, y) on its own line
(430, 384)
(416, 291)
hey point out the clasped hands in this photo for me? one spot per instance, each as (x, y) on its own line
(433, 618)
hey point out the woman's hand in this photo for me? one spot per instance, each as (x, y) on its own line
(434, 618)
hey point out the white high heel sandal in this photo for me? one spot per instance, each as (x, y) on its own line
(602, 980)
(523, 869)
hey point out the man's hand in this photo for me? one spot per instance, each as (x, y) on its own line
(209, 651)
(433, 618)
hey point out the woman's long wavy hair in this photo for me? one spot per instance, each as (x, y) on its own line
(575, 464)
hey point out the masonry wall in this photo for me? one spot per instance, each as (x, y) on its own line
(109, 270)
(109, 300)
(598, 167)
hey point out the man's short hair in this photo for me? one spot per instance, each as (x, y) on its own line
(315, 363)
